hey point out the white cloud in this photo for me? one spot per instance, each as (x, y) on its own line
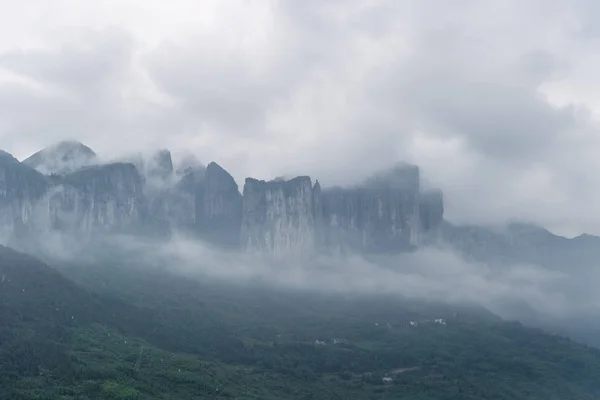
(495, 100)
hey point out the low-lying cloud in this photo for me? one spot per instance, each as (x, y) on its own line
(427, 274)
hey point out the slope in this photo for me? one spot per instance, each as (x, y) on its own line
(128, 333)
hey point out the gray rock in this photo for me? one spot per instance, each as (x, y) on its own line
(279, 216)
(160, 165)
(370, 220)
(21, 187)
(380, 215)
(104, 198)
(431, 209)
(219, 207)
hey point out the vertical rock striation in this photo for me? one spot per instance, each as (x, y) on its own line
(380, 215)
(21, 187)
(219, 207)
(104, 198)
(431, 209)
(286, 218)
(279, 216)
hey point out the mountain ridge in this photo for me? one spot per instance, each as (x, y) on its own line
(388, 212)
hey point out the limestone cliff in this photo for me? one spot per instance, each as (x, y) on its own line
(21, 187)
(99, 198)
(370, 220)
(219, 207)
(173, 194)
(385, 213)
(431, 209)
(379, 215)
(279, 216)
(160, 166)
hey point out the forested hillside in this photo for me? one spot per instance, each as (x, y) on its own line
(120, 332)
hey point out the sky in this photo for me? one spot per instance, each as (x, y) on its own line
(498, 102)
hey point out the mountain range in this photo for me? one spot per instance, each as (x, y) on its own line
(66, 188)
(126, 322)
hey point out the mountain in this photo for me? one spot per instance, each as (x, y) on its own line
(21, 188)
(126, 330)
(63, 157)
(149, 196)
(518, 243)
(157, 195)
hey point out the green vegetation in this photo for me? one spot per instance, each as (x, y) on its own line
(116, 332)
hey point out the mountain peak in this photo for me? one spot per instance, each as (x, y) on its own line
(60, 158)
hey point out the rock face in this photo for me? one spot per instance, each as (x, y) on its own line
(293, 217)
(61, 158)
(389, 212)
(160, 165)
(219, 207)
(431, 209)
(21, 187)
(520, 243)
(366, 220)
(104, 198)
(279, 216)
(149, 196)
(380, 215)
(171, 194)
(92, 199)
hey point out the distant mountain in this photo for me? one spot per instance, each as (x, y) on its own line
(149, 196)
(63, 157)
(157, 195)
(519, 243)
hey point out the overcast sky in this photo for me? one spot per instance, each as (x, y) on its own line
(497, 101)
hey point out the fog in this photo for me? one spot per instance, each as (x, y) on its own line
(529, 293)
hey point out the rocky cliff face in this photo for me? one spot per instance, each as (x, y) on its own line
(380, 215)
(388, 212)
(219, 207)
(160, 166)
(431, 209)
(279, 216)
(21, 187)
(172, 194)
(100, 198)
(92, 199)
(291, 218)
(519, 243)
(366, 220)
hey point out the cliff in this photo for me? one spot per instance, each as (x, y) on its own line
(379, 215)
(151, 196)
(171, 194)
(279, 216)
(370, 220)
(219, 207)
(431, 209)
(100, 198)
(21, 187)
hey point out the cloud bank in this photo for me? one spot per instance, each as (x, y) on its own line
(496, 101)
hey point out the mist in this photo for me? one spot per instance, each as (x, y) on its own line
(525, 292)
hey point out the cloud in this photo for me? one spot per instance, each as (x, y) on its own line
(489, 98)
(428, 274)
